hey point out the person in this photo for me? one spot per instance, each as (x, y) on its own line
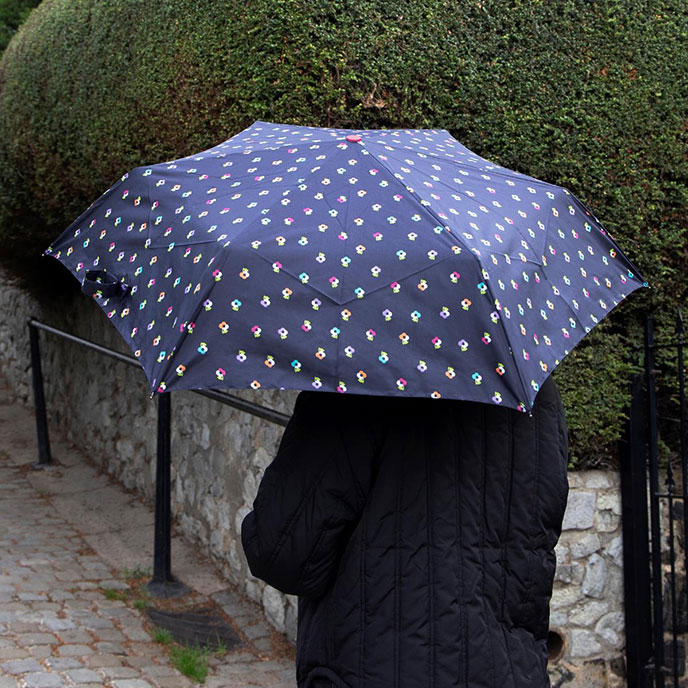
(419, 537)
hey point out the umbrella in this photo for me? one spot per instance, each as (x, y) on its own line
(381, 262)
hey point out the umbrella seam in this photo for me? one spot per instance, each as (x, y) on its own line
(458, 190)
(508, 341)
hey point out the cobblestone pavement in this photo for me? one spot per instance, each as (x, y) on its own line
(60, 547)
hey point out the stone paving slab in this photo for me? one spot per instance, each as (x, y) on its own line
(65, 533)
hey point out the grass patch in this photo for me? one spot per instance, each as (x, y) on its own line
(162, 636)
(191, 661)
(112, 594)
(136, 572)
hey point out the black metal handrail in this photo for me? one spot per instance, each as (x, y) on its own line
(163, 583)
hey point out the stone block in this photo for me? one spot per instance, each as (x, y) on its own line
(595, 576)
(585, 545)
(583, 644)
(580, 511)
(611, 628)
(587, 612)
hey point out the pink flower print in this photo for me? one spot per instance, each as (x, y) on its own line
(401, 384)
(276, 266)
(220, 374)
(370, 335)
(256, 331)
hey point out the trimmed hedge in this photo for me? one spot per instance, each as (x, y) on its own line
(589, 95)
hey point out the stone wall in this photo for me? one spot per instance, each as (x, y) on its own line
(586, 610)
(218, 455)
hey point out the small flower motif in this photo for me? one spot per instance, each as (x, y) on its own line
(334, 332)
(235, 304)
(283, 332)
(265, 301)
(346, 261)
(477, 378)
(370, 335)
(280, 240)
(361, 375)
(445, 313)
(422, 366)
(341, 387)
(432, 254)
(500, 369)
(387, 314)
(454, 277)
(320, 258)
(241, 356)
(463, 345)
(375, 271)
(360, 292)
(286, 293)
(320, 354)
(244, 274)
(217, 274)
(378, 236)
(346, 314)
(296, 365)
(404, 338)
(306, 327)
(269, 361)
(256, 331)
(437, 342)
(315, 304)
(255, 384)
(180, 369)
(416, 316)
(360, 249)
(383, 357)
(466, 304)
(401, 384)
(450, 373)
(401, 255)
(202, 348)
(422, 284)
(497, 398)
(224, 327)
(276, 266)
(220, 374)
(334, 282)
(317, 383)
(486, 338)
(395, 287)
(349, 351)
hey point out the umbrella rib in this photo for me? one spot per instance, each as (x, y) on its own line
(489, 210)
(487, 282)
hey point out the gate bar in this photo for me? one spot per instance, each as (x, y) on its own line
(636, 546)
(657, 577)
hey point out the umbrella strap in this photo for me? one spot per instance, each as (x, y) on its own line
(103, 283)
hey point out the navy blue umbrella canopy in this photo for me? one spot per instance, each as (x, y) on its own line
(383, 262)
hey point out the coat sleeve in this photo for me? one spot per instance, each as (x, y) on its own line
(308, 502)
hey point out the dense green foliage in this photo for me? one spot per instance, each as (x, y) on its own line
(13, 13)
(589, 94)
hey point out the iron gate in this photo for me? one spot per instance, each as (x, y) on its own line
(654, 486)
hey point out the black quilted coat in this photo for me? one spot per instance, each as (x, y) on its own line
(418, 535)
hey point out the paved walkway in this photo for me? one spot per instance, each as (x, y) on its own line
(67, 533)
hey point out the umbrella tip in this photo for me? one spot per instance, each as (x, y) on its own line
(353, 138)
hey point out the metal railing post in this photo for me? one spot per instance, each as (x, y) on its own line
(163, 583)
(44, 456)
